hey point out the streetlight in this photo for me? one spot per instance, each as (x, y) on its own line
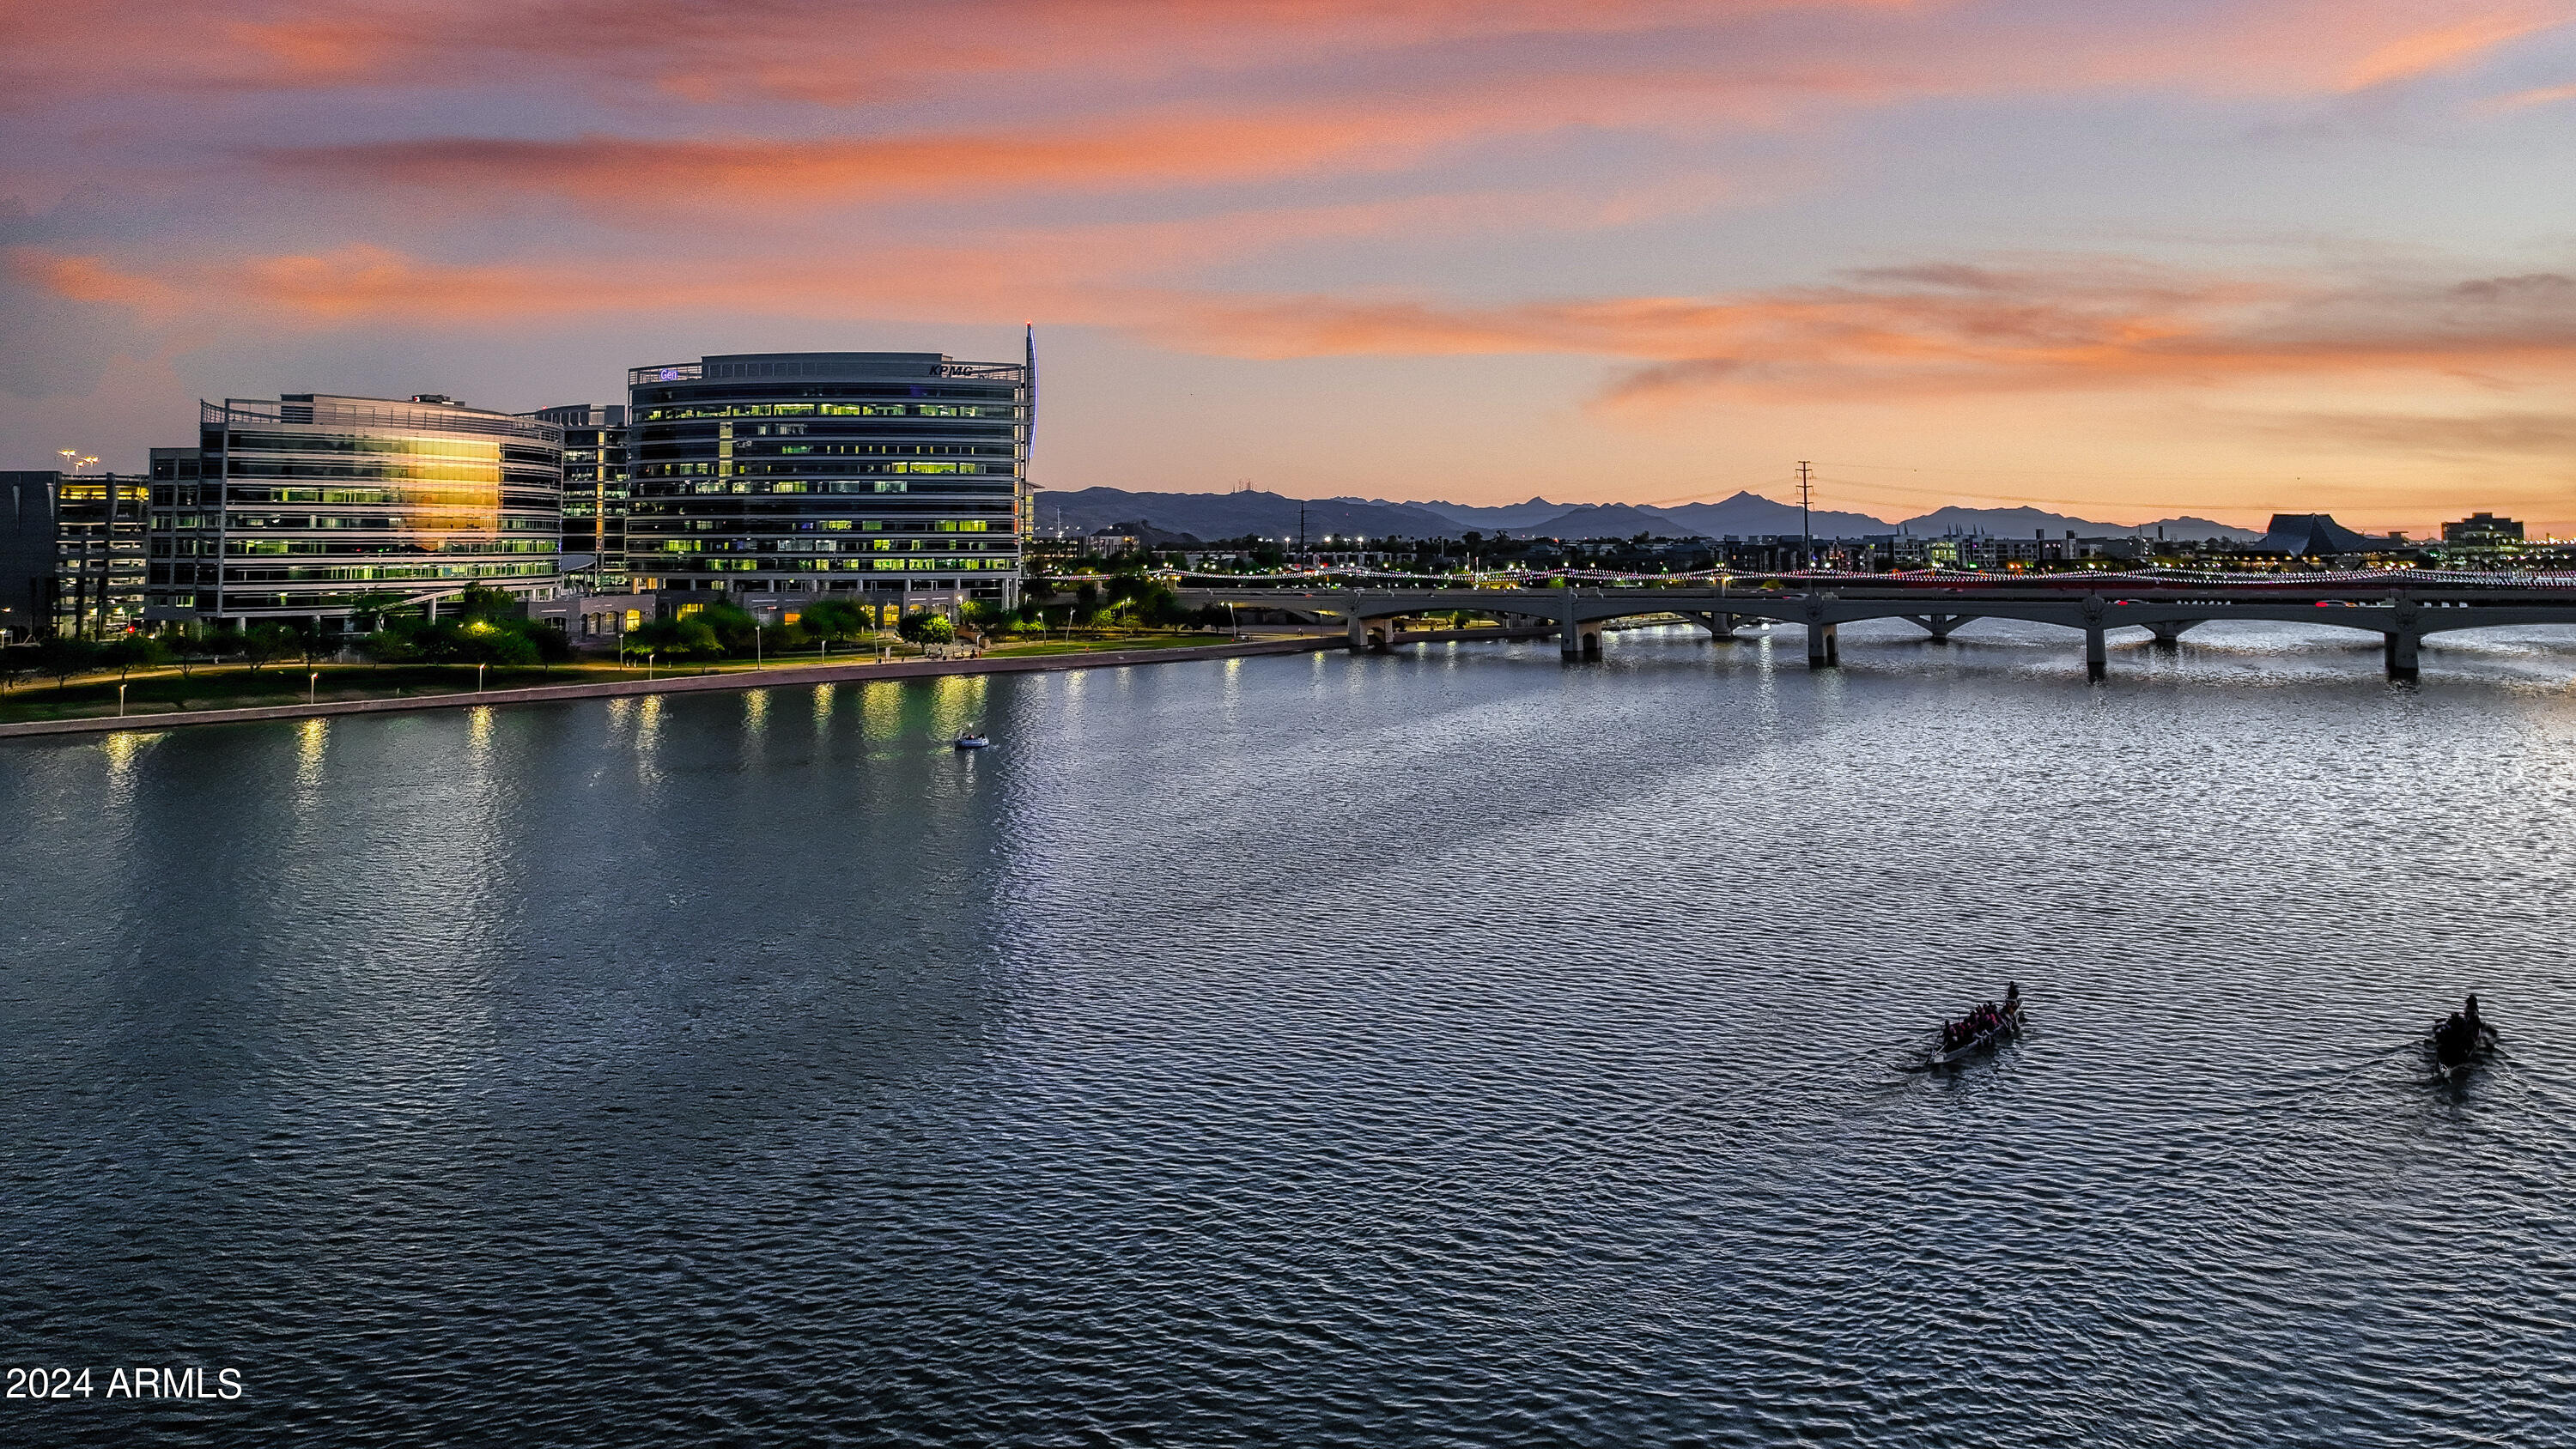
(313, 687)
(648, 664)
(478, 677)
(120, 701)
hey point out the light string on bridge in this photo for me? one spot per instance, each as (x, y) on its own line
(1343, 574)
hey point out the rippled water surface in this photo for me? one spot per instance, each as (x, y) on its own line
(1446, 1048)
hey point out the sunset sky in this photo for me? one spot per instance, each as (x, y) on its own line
(2125, 261)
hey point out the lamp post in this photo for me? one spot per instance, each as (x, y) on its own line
(313, 687)
(120, 701)
(478, 677)
(648, 664)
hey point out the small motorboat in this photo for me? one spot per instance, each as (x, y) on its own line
(972, 742)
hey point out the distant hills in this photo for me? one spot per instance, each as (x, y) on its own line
(1233, 515)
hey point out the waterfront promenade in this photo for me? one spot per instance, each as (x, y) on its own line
(855, 672)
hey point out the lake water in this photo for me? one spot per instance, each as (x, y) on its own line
(1454, 1047)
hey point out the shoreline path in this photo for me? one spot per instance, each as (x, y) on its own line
(854, 672)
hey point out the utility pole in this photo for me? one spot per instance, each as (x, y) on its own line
(1806, 529)
(1301, 533)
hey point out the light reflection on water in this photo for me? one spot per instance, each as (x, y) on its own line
(1452, 1046)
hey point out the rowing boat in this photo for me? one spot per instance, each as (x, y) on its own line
(1988, 1040)
(2457, 1052)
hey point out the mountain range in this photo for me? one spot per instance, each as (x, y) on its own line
(1234, 515)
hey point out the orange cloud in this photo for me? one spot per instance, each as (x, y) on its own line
(826, 51)
(847, 53)
(2521, 100)
(2448, 47)
(1885, 334)
(1157, 150)
(1947, 330)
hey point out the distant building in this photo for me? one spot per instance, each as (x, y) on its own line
(304, 506)
(895, 477)
(71, 553)
(594, 491)
(2483, 530)
(2314, 535)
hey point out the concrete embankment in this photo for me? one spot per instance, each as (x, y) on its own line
(854, 673)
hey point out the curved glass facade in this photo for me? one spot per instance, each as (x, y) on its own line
(309, 504)
(884, 473)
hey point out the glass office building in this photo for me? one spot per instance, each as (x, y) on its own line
(594, 493)
(310, 506)
(894, 477)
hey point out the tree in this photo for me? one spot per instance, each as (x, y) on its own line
(64, 655)
(390, 645)
(134, 651)
(262, 643)
(367, 612)
(730, 624)
(927, 628)
(653, 636)
(699, 640)
(1161, 608)
(837, 619)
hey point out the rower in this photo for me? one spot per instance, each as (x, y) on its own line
(2469, 1016)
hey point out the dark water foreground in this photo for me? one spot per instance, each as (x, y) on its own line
(1452, 1048)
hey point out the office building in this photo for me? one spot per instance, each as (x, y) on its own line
(71, 553)
(892, 477)
(2483, 530)
(309, 506)
(594, 493)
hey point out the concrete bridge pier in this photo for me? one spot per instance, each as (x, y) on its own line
(2169, 636)
(2402, 657)
(1359, 634)
(1936, 625)
(2097, 655)
(1824, 651)
(1720, 626)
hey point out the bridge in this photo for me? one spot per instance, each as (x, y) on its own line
(2091, 606)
